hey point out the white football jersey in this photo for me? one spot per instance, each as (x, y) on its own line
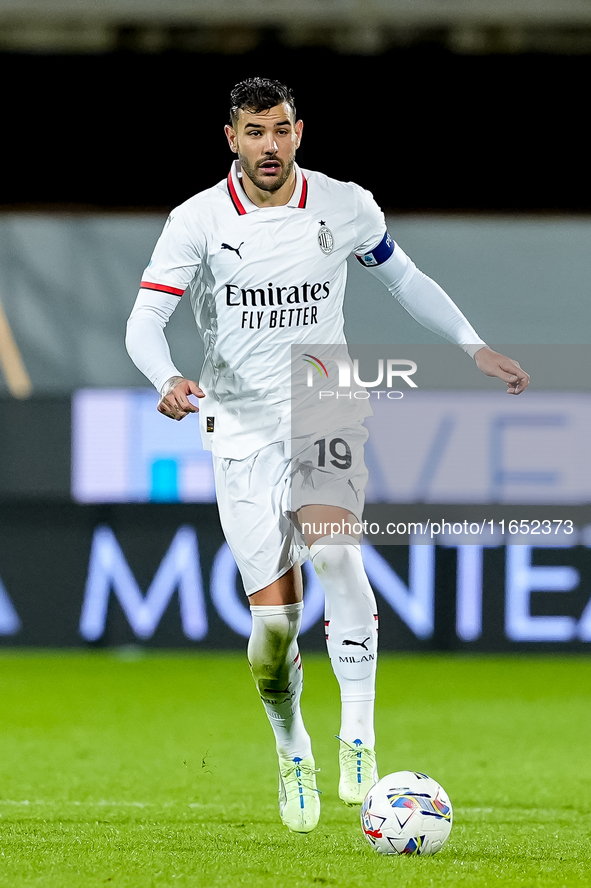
(261, 280)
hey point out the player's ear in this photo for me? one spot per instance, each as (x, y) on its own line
(299, 126)
(231, 137)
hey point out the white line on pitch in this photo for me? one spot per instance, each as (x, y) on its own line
(103, 803)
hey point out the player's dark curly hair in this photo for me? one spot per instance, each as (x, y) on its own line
(259, 94)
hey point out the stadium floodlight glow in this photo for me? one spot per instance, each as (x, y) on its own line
(415, 603)
(109, 571)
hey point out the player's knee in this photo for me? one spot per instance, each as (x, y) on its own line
(334, 557)
(274, 634)
(274, 639)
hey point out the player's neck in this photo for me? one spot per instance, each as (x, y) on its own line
(263, 199)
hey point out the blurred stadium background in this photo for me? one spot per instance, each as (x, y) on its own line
(466, 120)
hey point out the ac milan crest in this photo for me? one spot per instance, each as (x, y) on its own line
(325, 238)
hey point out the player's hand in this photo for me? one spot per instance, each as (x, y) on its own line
(175, 401)
(494, 364)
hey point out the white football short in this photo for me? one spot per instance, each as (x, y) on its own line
(257, 496)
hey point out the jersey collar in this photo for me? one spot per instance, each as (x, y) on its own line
(243, 204)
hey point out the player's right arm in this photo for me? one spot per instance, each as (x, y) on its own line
(174, 401)
(174, 263)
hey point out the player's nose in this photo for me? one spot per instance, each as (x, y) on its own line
(271, 146)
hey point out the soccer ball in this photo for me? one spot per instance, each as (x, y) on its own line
(406, 813)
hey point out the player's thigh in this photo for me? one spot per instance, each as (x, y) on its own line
(287, 589)
(251, 502)
(317, 521)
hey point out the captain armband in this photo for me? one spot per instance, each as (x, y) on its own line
(379, 254)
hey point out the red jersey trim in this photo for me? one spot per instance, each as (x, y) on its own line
(304, 194)
(234, 196)
(164, 288)
(238, 206)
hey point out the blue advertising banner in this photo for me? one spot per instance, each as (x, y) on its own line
(161, 575)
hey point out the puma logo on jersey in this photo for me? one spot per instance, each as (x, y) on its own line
(361, 644)
(234, 249)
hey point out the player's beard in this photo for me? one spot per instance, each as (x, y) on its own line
(261, 181)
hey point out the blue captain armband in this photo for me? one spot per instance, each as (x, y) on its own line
(379, 254)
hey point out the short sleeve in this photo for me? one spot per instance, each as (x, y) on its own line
(177, 256)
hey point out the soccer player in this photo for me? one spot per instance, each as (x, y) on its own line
(262, 257)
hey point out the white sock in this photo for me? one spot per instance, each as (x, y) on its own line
(351, 631)
(276, 667)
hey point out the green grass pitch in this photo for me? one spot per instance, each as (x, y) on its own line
(159, 770)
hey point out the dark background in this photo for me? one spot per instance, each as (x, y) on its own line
(424, 128)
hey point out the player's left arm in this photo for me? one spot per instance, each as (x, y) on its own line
(430, 305)
(493, 363)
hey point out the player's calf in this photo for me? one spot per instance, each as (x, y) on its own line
(351, 638)
(276, 667)
(277, 670)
